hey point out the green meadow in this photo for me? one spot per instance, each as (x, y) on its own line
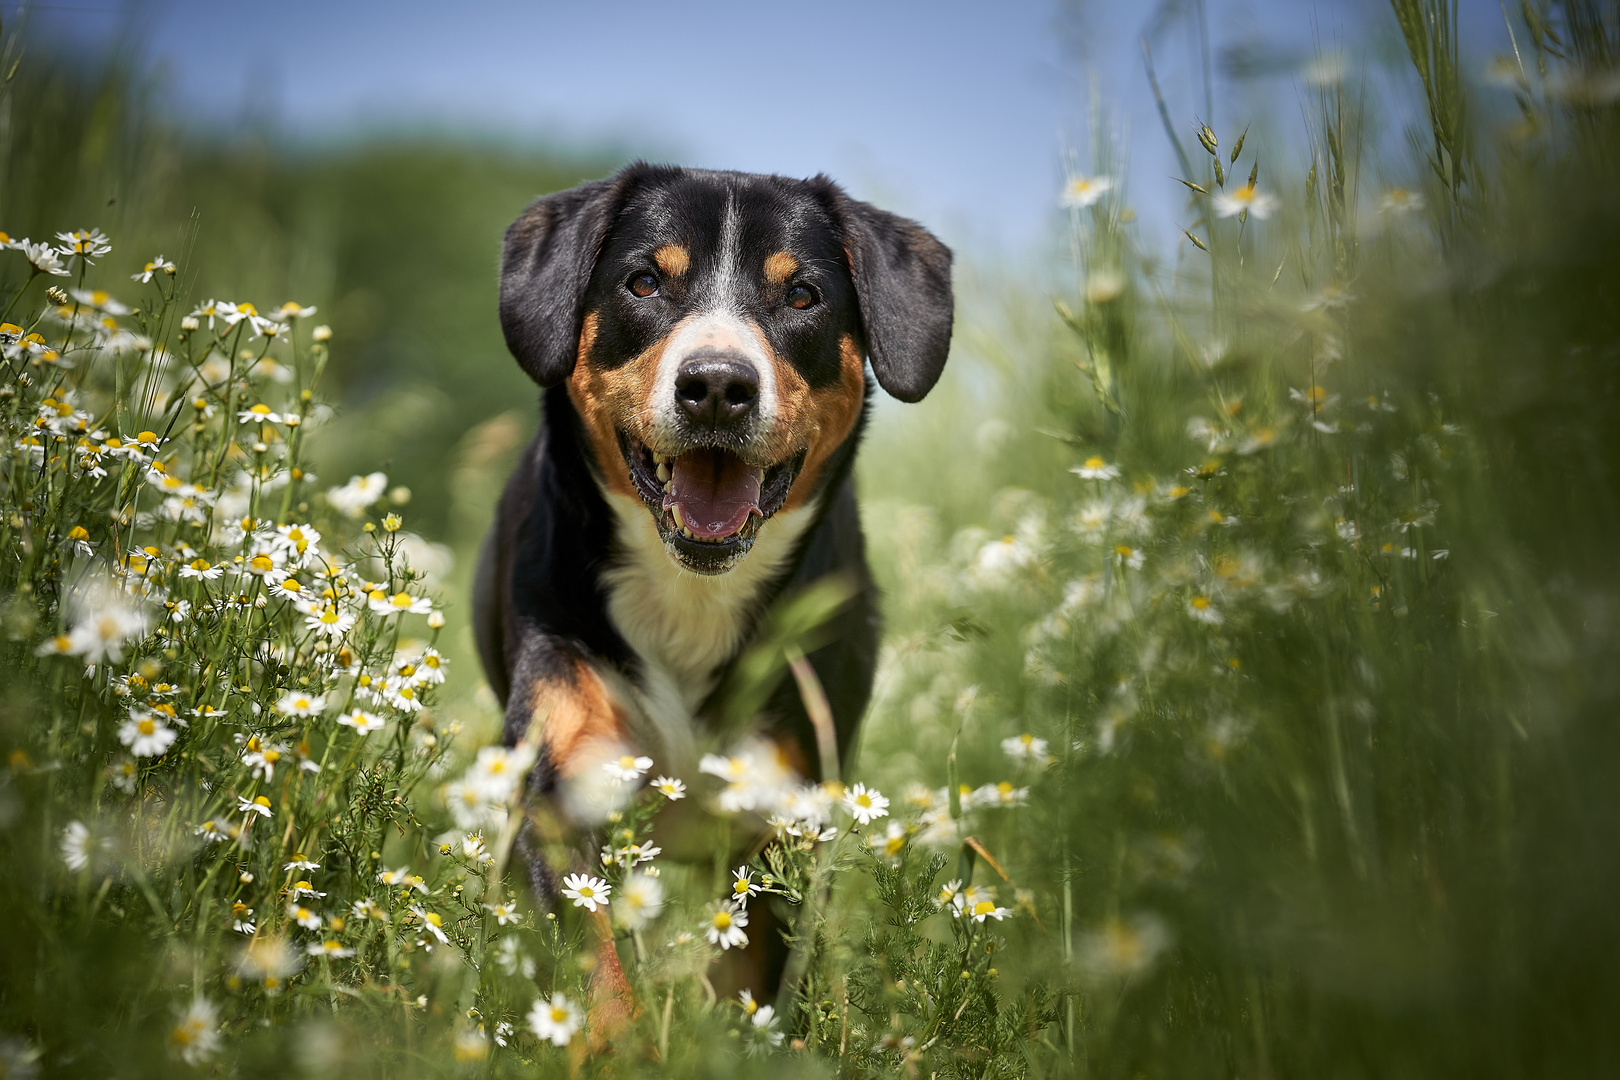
(1247, 697)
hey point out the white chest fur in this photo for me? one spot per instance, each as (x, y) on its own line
(683, 625)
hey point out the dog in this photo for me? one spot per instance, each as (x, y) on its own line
(702, 340)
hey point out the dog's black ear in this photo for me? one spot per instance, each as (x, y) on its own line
(546, 263)
(903, 282)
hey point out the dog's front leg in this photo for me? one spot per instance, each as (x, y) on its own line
(559, 700)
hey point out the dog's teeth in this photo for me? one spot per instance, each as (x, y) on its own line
(659, 459)
(663, 474)
(680, 519)
(688, 533)
(669, 486)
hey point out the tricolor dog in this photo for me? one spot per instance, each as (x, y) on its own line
(703, 341)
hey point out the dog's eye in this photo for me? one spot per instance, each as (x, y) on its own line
(801, 297)
(643, 285)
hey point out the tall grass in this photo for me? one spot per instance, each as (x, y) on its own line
(1245, 707)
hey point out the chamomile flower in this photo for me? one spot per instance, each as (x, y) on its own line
(504, 913)
(432, 922)
(404, 877)
(669, 787)
(1398, 201)
(46, 259)
(763, 1020)
(947, 893)
(304, 916)
(75, 846)
(364, 723)
(87, 244)
(331, 949)
(980, 910)
(1095, 468)
(1259, 204)
(299, 862)
(1025, 747)
(145, 735)
(329, 622)
(1202, 609)
(726, 923)
(474, 849)
(639, 900)
(865, 805)
(353, 498)
(627, 767)
(159, 265)
(301, 889)
(400, 603)
(194, 1039)
(261, 759)
(586, 891)
(259, 804)
(1082, 191)
(743, 886)
(298, 703)
(295, 541)
(555, 1021)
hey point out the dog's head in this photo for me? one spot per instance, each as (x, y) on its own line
(712, 329)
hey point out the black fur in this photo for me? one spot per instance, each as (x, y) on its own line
(540, 605)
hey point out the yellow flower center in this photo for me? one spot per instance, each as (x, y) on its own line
(261, 409)
(559, 1015)
(261, 801)
(722, 920)
(401, 600)
(199, 564)
(1201, 603)
(146, 727)
(1095, 462)
(740, 886)
(984, 907)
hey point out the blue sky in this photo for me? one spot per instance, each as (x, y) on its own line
(957, 113)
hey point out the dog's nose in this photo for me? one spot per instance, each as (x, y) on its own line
(717, 393)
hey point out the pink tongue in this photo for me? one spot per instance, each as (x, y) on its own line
(715, 490)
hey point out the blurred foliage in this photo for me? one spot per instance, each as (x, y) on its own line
(396, 240)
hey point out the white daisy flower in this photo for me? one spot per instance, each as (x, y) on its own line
(1095, 468)
(364, 723)
(555, 1021)
(726, 926)
(75, 845)
(639, 901)
(401, 603)
(298, 703)
(865, 805)
(504, 913)
(195, 1038)
(1204, 610)
(1083, 191)
(1234, 202)
(329, 622)
(259, 804)
(432, 922)
(669, 787)
(743, 886)
(303, 916)
(627, 767)
(586, 891)
(334, 950)
(146, 736)
(353, 498)
(1025, 747)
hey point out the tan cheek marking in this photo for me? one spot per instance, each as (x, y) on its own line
(611, 399)
(780, 266)
(673, 259)
(817, 421)
(577, 716)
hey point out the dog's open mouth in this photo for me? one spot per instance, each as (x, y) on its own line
(709, 502)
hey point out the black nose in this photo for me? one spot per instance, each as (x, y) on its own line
(717, 393)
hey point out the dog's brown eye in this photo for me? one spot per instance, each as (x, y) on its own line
(801, 297)
(644, 285)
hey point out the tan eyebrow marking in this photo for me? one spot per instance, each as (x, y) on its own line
(779, 266)
(673, 259)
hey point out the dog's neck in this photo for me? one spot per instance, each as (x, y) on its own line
(682, 626)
